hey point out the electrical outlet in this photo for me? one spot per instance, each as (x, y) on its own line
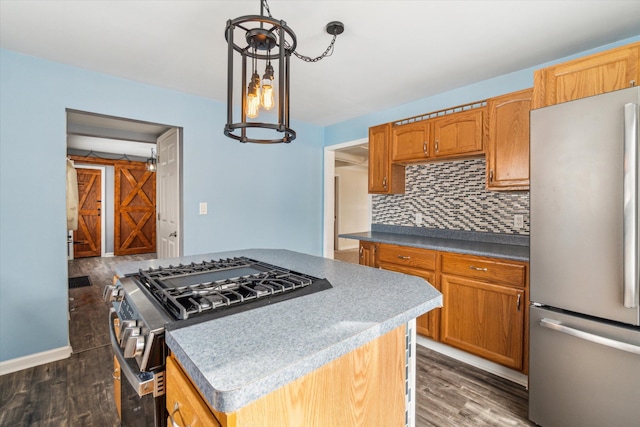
(203, 208)
(518, 222)
(418, 218)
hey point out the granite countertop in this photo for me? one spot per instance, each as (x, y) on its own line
(471, 243)
(236, 359)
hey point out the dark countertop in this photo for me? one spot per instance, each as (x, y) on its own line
(471, 243)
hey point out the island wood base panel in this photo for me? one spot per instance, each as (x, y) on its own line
(365, 387)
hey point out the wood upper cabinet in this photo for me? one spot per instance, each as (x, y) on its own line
(384, 177)
(410, 142)
(508, 141)
(367, 254)
(485, 307)
(590, 75)
(457, 134)
(417, 262)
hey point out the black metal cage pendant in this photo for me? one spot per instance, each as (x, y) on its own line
(267, 40)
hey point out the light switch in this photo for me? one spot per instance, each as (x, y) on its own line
(203, 208)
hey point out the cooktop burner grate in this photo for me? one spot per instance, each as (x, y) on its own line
(189, 290)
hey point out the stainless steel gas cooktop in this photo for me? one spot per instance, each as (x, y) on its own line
(223, 287)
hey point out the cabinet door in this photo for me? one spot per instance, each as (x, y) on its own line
(384, 178)
(587, 76)
(508, 141)
(428, 324)
(458, 134)
(484, 319)
(117, 380)
(184, 404)
(367, 254)
(410, 142)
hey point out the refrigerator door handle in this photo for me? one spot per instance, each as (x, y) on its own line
(588, 336)
(631, 259)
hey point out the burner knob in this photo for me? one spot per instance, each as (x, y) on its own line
(124, 324)
(134, 346)
(128, 332)
(112, 293)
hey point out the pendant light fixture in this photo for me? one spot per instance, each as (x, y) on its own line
(259, 40)
(152, 163)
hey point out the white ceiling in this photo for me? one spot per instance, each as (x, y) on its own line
(391, 52)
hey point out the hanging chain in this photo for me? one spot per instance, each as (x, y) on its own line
(326, 53)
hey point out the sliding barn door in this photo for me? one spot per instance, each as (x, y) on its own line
(87, 238)
(135, 208)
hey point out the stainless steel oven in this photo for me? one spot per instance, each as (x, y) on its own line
(142, 386)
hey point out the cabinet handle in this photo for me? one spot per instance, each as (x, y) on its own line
(384, 182)
(518, 302)
(491, 175)
(473, 267)
(425, 150)
(404, 257)
(361, 249)
(436, 145)
(176, 408)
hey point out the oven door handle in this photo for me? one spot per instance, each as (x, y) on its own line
(142, 382)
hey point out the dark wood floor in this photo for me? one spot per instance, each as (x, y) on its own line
(79, 391)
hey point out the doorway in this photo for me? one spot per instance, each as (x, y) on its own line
(124, 147)
(352, 212)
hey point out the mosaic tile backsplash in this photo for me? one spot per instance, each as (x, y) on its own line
(451, 195)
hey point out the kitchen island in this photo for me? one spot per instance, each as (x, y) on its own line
(342, 356)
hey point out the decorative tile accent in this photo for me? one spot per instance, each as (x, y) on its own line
(452, 195)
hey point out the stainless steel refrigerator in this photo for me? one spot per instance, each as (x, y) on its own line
(584, 359)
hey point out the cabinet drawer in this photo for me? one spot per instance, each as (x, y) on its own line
(492, 270)
(407, 256)
(183, 400)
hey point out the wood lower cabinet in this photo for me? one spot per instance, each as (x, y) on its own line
(417, 262)
(458, 134)
(485, 307)
(508, 141)
(427, 325)
(366, 387)
(185, 406)
(117, 386)
(384, 177)
(602, 72)
(486, 303)
(367, 254)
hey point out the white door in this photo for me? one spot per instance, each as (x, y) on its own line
(168, 194)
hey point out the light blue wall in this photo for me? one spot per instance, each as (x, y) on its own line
(258, 196)
(357, 128)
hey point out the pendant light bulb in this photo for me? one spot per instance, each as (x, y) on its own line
(253, 97)
(267, 100)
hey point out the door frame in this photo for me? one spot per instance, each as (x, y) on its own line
(329, 193)
(103, 194)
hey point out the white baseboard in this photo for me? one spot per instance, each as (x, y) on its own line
(108, 255)
(32, 360)
(478, 362)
